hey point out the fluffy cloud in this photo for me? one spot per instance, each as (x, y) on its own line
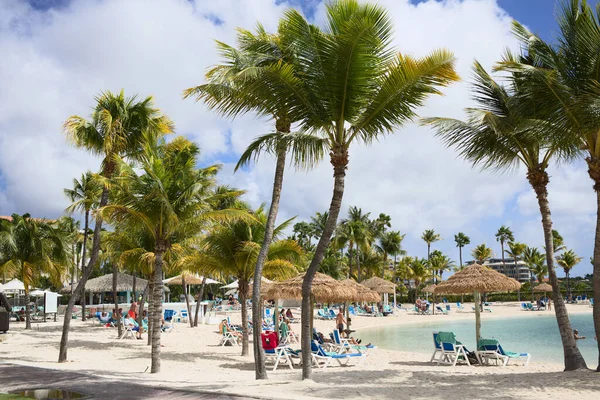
(55, 60)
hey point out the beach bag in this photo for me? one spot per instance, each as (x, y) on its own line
(472, 358)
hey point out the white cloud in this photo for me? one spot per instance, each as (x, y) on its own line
(55, 62)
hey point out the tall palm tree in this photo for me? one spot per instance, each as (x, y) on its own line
(567, 261)
(244, 82)
(120, 126)
(390, 244)
(415, 269)
(439, 263)
(355, 88)
(231, 249)
(83, 196)
(564, 86)
(429, 236)
(317, 223)
(31, 248)
(504, 235)
(559, 242)
(481, 253)
(515, 250)
(461, 240)
(499, 135)
(168, 203)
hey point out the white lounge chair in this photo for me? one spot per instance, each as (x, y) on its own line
(491, 350)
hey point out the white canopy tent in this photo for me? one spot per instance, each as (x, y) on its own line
(196, 278)
(40, 293)
(236, 285)
(13, 286)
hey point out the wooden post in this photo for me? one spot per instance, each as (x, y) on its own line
(477, 319)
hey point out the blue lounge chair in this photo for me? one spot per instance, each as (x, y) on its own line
(437, 348)
(351, 310)
(343, 344)
(490, 349)
(169, 314)
(323, 358)
(451, 350)
(459, 306)
(441, 310)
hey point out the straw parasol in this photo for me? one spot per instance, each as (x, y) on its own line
(324, 289)
(543, 287)
(104, 284)
(477, 279)
(379, 285)
(190, 279)
(363, 292)
(429, 288)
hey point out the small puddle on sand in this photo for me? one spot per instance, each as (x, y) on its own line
(50, 394)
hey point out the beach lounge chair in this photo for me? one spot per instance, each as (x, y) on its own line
(459, 307)
(592, 302)
(342, 344)
(437, 349)
(441, 310)
(351, 310)
(490, 349)
(321, 314)
(452, 350)
(323, 358)
(127, 329)
(228, 337)
(276, 352)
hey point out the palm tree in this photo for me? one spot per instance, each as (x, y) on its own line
(231, 249)
(31, 248)
(567, 261)
(120, 126)
(562, 85)
(429, 236)
(390, 244)
(559, 242)
(461, 240)
(355, 88)
(504, 235)
(482, 253)
(499, 135)
(84, 196)
(317, 223)
(415, 269)
(439, 263)
(515, 250)
(243, 83)
(167, 202)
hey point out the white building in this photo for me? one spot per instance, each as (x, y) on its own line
(522, 273)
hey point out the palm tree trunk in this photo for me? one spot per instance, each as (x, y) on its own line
(460, 255)
(134, 287)
(84, 249)
(116, 299)
(243, 292)
(200, 295)
(349, 260)
(259, 357)
(157, 311)
(568, 286)
(384, 264)
(140, 317)
(62, 353)
(187, 301)
(596, 273)
(503, 263)
(573, 359)
(357, 265)
(27, 312)
(339, 160)
(83, 304)
(150, 309)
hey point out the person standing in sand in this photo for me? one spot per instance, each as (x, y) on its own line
(340, 321)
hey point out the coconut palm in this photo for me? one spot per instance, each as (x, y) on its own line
(564, 88)
(415, 269)
(481, 253)
(515, 250)
(558, 241)
(232, 248)
(355, 88)
(429, 236)
(120, 126)
(390, 244)
(168, 202)
(31, 248)
(461, 240)
(439, 263)
(503, 236)
(567, 261)
(499, 135)
(317, 223)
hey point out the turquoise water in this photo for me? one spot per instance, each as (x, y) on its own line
(537, 335)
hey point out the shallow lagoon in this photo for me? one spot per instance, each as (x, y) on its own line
(536, 334)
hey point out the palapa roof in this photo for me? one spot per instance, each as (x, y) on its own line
(363, 292)
(264, 289)
(324, 288)
(104, 283)
(543, 287)
(190, 279)
(478, 278)
(429, 288)
(379, 285)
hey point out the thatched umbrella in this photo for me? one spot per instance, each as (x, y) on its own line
(477, 279)
(381, 286)
(543, 287)
(104, 284)
(429, 288)
(363, 294)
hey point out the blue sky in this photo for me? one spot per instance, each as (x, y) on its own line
(76, 48)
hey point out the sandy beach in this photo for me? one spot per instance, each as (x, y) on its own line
(192, 360)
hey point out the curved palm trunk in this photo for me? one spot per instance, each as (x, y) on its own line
(339, 160)
(62, 353)
(83, 250)
(83, 304)
(140, 317)
(157, 309)
(116, 300)
(200, 295)
(573, 359)
(187, 301)
(243, 290)
(259, 357)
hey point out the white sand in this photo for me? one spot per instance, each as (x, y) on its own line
(191, 359)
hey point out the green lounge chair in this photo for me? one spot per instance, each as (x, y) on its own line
(490, 349)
